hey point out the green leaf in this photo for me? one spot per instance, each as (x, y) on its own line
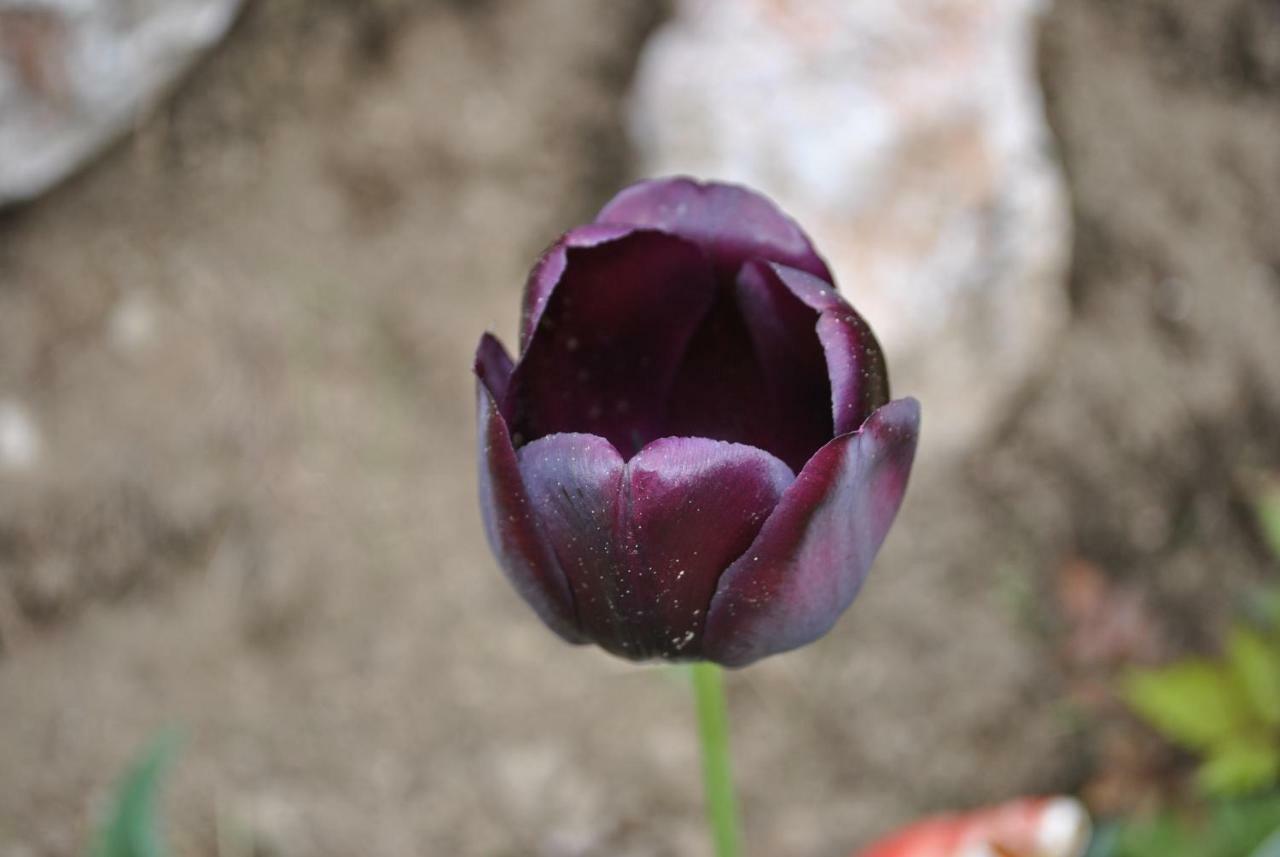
(1232, 828)
(1160, 837)
(1194, 703)
(131, 830)
(1268, 509)
(1269, 604)
(1245, 764)
(1256, 663)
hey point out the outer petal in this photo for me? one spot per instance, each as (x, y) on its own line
(609, 340)
(509, 522)
(814, 551)
(493, 367)
(733, 223)
(643, 543)
(855, 362)
(575, 484)
(694, 506)
(546, 273)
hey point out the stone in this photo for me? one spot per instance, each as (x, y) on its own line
(908, 138)
(76, 74)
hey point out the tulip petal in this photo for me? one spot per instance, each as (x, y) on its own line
(783, 332)
(548, 270)
(782, 363)
(855, 362)
(694, 505)
(643, 543)
(733, 223)
(609, 340)
(575, 484)
(805, 567)
(509, 522)
(718, 389)
(493, 367)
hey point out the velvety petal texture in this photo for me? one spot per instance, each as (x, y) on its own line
(547, 272)
(812, 555)
(610, 339)
(681, 359)
(643, 542)
(693, 506)
(733, 223)
(575, 487)
(510, 522)
(855, 368)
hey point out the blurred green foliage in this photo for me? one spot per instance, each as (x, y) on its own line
(1238, 828)
(131, 829)
(1226, 710)
(1268, 508)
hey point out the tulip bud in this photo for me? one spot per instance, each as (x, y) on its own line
(695, 456)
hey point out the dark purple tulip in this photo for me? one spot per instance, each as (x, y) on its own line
(682, 359)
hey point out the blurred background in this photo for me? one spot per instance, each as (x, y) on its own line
(246, 251)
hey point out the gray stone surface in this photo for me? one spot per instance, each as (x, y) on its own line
(909, 139)
(75, 74)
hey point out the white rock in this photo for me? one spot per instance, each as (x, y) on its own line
(907, 137)
(74, 74)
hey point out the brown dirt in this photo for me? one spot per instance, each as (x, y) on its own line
(246, 337)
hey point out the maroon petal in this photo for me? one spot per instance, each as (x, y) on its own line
(733, 223)
(493, 367)
(859, 380)
(609, 340)
(694, 506)
(546, 273)
(643, 543)
(575, 484)
(810, 558)
(793, 367)
(509, 522)
(718, 389)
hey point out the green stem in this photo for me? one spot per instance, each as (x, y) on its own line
(713, 729)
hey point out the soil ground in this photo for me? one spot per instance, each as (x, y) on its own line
(246, 336)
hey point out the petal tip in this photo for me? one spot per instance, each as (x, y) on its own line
(731, 221)
(492, 366)
(902, 415)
